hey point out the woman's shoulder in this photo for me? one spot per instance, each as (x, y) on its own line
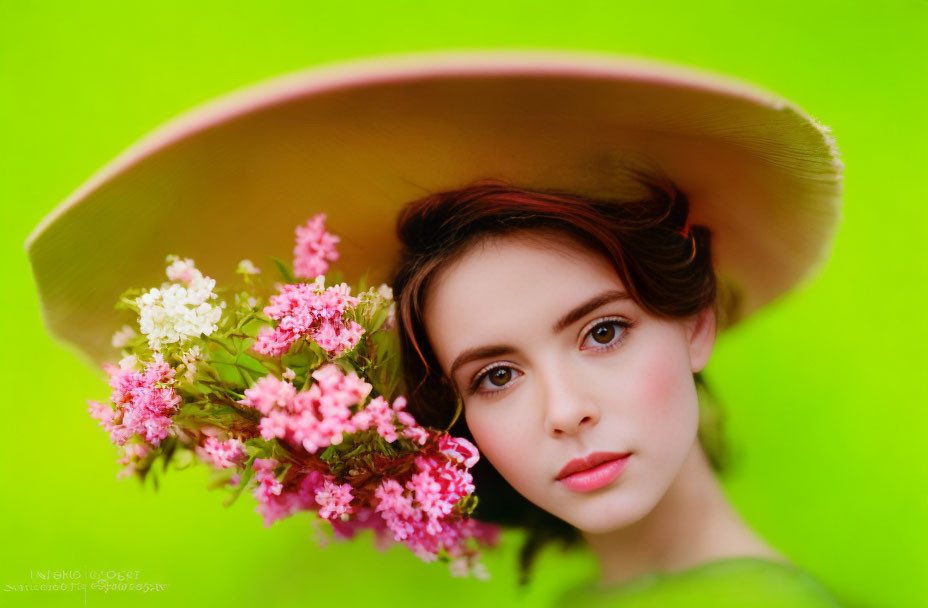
(738, 581)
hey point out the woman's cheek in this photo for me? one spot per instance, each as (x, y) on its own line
(486, 431)
(665, 397)
(499, 441)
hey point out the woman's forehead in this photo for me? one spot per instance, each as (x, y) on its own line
(514, 280)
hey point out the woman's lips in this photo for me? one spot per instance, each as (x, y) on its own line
(592, 478)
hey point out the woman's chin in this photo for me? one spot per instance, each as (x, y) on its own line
(599, 517)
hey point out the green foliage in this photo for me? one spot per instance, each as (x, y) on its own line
(381, 363)
(127, 299)
(303, 358)
(236, 368)
(366, 452)
(247, 474)
(284, 270)
(223, 415)
(263, 448)
(183, 458)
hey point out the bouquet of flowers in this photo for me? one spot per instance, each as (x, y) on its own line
(290, 396)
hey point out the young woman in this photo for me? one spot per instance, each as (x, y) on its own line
(572, 331)
(565, 310)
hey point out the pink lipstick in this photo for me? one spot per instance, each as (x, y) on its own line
(593, 472)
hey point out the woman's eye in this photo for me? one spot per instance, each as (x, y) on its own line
(606, 334)
(494, 379)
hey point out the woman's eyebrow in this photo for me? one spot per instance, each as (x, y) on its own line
(587, 307)
(495, 350)
(480, 352)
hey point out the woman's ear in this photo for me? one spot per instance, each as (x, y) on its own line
(701, 337)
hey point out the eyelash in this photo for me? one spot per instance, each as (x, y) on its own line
(474, 387)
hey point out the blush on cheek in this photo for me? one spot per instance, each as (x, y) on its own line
(660, 381)
(499, 441)
(665, 390)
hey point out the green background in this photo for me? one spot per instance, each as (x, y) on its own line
(824, 389)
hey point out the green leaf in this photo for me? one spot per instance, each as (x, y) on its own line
(216, 414)
(230, 374)
(182, 459)
(378, 319)
(255, 446)
(251, 364)
(252, 327)
(284, 270)
(356, 451)
(306, 358)
(243, 482)
(237, 369)
(219, 479)
(347, 365)
(167, 448)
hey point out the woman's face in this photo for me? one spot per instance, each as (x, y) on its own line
(555, 363)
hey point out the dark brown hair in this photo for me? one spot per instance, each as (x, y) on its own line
(665, 264)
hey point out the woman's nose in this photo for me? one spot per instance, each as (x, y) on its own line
(568, 405)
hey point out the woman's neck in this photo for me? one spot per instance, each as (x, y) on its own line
(692, 524)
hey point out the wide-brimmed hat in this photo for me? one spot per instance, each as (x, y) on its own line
(357, 140)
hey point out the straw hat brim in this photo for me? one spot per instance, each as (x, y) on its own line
(357, 140)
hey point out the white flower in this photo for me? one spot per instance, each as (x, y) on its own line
(182, 271)
(381, 295)
(246, 267)
(189, 360)
(464, 566)
(201, 289)
(480, 572)
(289, 374)
(458, 567)
(123, 336)
(175, 313)
(385, 291)
(390, 323)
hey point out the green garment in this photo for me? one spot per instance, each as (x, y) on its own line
(742, 582)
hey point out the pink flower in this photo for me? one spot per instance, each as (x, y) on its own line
(381, 414)
(134, 451)
(268, 393)
(145, 401)
(362, 518)
(182, 271)
(313, 247)
(458, 450)
(278, 506)
(272, 342)
(223, 454)
(417, 434)
(103, 412)
(306, 310)
(396, 508)
(268, 484)
(315, 418)
(334, 499)
(274, 425)
(432, 501)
